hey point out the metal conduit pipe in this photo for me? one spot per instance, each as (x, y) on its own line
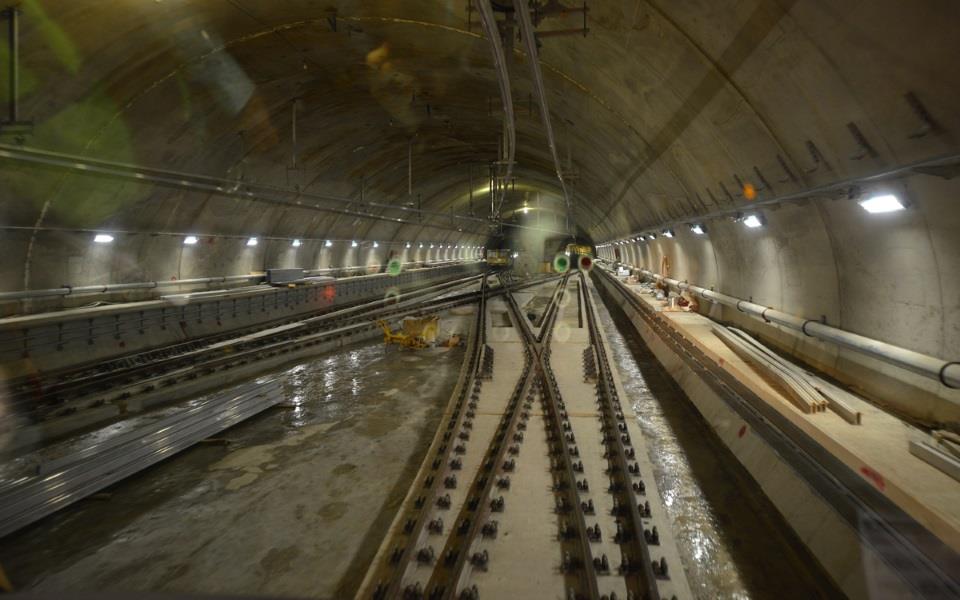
(68, 290)
(945, 371)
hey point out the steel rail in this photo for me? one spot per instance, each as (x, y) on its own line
(454, 557)
(122, 365)
(637, 566)
(166, 370)
(922, 559)
(385, 578)
(126, 380)
(577, 563)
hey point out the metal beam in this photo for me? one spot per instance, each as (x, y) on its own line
(529, 37)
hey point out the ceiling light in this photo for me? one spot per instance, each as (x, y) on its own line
(421, 244)
(376, 244)
(253, 241)
(526, 209)
(328, 243)
(651, 236)
(668, 233)
(698, 229)
(190, 240)
(431, 246)
(408, 244)
(296, 243)
(353, 244)
(753, 221)
(103, 238)
(882, 204)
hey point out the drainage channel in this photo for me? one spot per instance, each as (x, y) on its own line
(726, 529)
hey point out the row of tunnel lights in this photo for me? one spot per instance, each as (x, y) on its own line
(192, 240)
(884, 203)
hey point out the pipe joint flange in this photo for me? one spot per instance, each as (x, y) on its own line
(763, 315)
(803, 327)
(738, 306)
(943, 374)
(69, 289)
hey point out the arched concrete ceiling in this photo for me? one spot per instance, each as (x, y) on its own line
(659, 106)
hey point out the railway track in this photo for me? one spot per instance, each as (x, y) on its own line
(521, 496)
(54, 388)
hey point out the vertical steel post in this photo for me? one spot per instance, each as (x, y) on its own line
(14, 41)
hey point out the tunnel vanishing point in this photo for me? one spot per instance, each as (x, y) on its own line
(476, 299)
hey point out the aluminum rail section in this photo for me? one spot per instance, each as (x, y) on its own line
(641, 572)
(946, 372)
(98, 466)
(906, 547)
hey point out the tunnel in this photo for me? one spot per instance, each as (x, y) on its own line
(480, 299)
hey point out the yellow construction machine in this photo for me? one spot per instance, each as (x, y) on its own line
(415, 332)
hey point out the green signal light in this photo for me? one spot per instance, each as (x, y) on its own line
(394, 267)
(561, 263)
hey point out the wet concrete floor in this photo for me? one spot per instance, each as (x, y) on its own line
(295, 505)
(732, 540)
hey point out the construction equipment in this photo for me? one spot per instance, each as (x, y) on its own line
(414, 333)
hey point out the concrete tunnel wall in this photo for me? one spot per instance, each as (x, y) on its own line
(891, 277)
(659, 107)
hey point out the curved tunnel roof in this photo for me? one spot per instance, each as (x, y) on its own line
(663, 112)
(660, 107)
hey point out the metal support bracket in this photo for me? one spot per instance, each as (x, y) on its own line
(12, 124)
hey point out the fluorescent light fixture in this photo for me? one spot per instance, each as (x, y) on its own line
(296, 243)
(526, 209)
(190, 240)
(668, 233)
(753, 221)
(698, 229)
(882, 204)
(376, 244)
(651, 236)
(328, 243)
(353, 244)
(431, 246)
(408, 244)
(103, 238)
(253, 241)
(421, 244)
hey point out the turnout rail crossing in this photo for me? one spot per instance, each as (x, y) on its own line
(537, 482)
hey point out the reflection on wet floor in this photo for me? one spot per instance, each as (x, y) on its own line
(295, 505)
(732, 540)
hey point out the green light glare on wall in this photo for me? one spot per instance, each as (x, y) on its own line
(394, 267)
